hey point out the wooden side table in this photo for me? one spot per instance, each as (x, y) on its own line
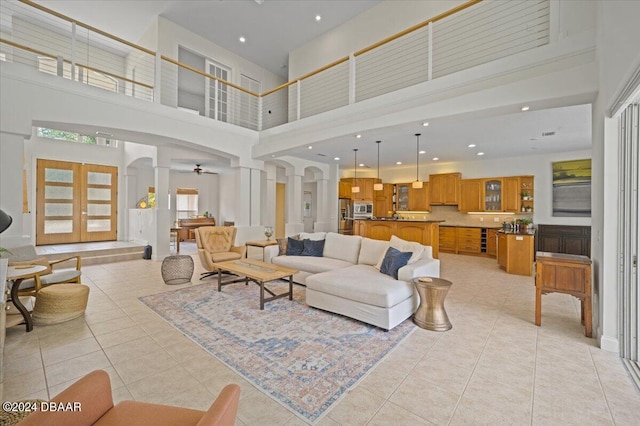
(564, 273)
(431, 314)
(260, 244)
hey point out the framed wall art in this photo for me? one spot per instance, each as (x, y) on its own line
(572, 188)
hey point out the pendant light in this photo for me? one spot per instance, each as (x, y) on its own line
(378, 186)
(417, 184)
(355, 189)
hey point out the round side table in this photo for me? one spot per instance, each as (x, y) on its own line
(431, 314)
(177, 269)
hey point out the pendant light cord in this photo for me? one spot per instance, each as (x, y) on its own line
(378, 142)
(417, 155)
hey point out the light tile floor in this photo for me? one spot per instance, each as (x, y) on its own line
(494, 367)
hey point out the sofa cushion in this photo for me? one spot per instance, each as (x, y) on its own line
(371, 251)
(294, 247)
(310, 264)
(393, 260)
(313, 236)
(344, 247)
(371, 288)
(282, 244)
(403, 245)
(312, 248)
(398, 243)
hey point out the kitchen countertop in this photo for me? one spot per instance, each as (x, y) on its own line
(402, 220)
(471, 226)
(512, 232)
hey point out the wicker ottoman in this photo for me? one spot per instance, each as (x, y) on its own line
(59, 303)
(177, 269)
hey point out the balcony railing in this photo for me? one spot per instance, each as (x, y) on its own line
(471, 34)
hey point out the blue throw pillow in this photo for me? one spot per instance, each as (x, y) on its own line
(294, 247)
(312, 248)
(393, 260)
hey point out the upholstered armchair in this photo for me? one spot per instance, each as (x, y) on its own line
(91, 395)
(215, 244)
(26, 255)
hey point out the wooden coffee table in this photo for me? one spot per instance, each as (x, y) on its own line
(258, 272)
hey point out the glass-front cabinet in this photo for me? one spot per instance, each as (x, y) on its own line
(402, 196)
(493, 195)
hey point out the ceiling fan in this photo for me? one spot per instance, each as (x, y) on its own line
(198, 170)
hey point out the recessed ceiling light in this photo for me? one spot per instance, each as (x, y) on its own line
(336, 158)
(423, 152)
(242, 39)
(318, 18)
(471, 145)
(361, 165)
(398, 162)
(273, 155)
(310, 147)
(480, 153)
(435, 158)
(525, 108)
(425, 124)
(358, 136)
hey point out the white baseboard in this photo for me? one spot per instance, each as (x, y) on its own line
(609, 344)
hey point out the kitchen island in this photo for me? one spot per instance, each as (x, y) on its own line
(515, 251)
(425, 232)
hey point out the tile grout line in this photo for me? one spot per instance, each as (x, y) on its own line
(604, 394)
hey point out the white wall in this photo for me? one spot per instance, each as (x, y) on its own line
(619, 53)
(170, 36)
(371, 26)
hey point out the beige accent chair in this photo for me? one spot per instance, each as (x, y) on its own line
(215, 244)
(91, 396)
(26, 255)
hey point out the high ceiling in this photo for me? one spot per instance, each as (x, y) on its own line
(272, 28)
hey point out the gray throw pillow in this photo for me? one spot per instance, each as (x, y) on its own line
(393, 260)
(313, 248)
(294, 247)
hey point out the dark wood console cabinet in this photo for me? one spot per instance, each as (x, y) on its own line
(564, 239)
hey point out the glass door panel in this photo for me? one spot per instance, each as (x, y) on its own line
(493, 195)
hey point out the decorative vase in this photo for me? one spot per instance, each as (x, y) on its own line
(268, 232)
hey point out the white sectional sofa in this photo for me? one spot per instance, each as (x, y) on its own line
(345, 280)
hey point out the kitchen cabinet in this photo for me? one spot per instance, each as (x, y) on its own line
(564, 239)
(383, 201)
(491, 242)
(470, 195)
(344, 188)
(447, 236)
(402, 196)
(425, 233)
(366, 189)
(518, 194)
(444, 189)
(469, 240)
(512, 194)
(419, 198)
(515, 252)
(492, 194)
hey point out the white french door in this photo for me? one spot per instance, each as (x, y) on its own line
(217, 93)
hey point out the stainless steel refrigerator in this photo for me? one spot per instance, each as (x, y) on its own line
(345, 216)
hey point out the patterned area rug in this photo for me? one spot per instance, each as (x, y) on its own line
(304, 358)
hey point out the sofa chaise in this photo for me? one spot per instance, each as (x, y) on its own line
(346, 278)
